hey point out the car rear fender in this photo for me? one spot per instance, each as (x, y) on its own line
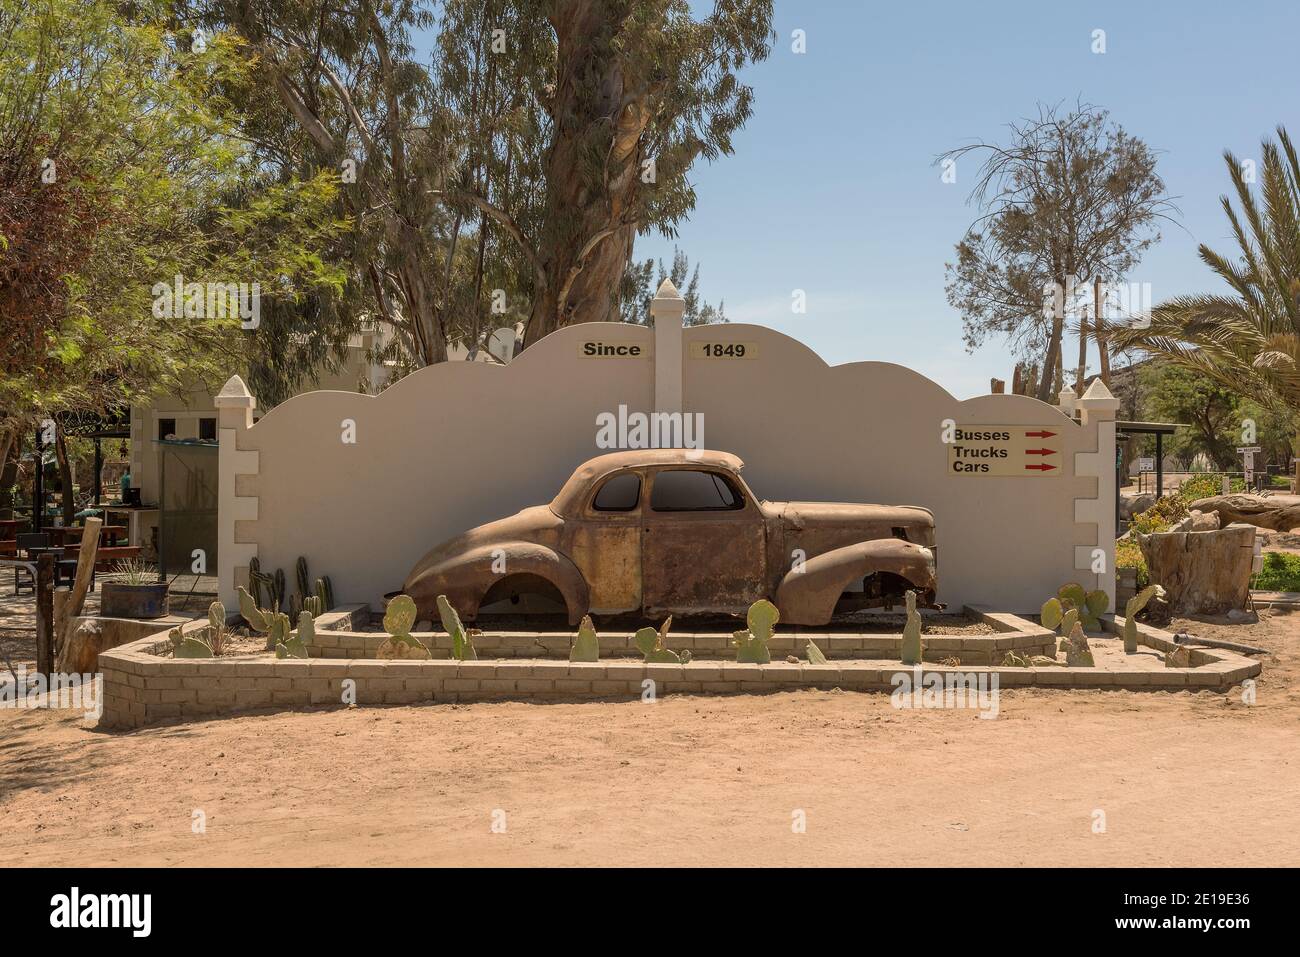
(808, 596)
(466, 578)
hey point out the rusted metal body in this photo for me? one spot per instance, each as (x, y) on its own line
(629, 532)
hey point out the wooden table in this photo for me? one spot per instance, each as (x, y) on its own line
(9, 528)
(108, 534)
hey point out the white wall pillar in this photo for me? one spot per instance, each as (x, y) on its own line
(667, 309)
(235, 406)
(1098, 408)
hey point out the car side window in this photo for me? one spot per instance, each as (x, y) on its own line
(683, 490)
(618, 494)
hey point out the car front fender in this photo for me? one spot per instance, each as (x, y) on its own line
(466, 577)
(807, 595)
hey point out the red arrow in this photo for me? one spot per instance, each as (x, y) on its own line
(1040, 451)
(1042, 468)
(1039, 435)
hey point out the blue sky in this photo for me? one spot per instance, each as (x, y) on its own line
(832, 188)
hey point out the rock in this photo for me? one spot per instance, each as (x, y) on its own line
(1204, 521)
(1077, 652)
(1180, 657)
(1133, 503)
(1278, 512)
(1238, 615)
(425, 625)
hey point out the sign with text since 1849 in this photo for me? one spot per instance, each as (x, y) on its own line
(1004, 450)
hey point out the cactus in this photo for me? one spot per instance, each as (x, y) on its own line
(1135, 605)
(1094, 606)
(1068, 621)
(295, 606)
(751, 644)
(255, 580)
(188, 646)
(462, 645)
(313, 604)
(304, 580)
(325, 592)
(252, 612)
(399, 618)
(295, 645)
(815, 655)
(277, 589)
(651, 645)
(216, 627)
(1051, 613)
(1072, 595)
(586, 647)
(911, 654)
(1077, 652)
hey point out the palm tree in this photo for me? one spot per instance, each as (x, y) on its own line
(1248, 341)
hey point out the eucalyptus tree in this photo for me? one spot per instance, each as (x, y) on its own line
(1070, 196)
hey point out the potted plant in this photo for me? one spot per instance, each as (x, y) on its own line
(132, 590)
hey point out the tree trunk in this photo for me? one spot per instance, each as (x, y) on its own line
(1051, 362)
(1103, 347)
(1202, 573)
(589, 224)
(1082, 372)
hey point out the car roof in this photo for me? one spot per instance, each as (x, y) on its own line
(570, 498)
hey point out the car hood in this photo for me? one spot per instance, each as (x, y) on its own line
(536, 524)
(852, 522)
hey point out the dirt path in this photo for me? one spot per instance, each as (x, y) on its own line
(1182, 778)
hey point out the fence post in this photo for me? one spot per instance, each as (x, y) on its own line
(45, 614)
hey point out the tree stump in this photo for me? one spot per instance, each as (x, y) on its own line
(1203, 573)
(1278, 512)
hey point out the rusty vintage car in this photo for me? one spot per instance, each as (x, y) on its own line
(672, 531)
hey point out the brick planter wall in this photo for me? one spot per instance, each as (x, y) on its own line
(141, 687)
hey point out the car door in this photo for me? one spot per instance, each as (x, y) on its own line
(702, 543)
(606, 542)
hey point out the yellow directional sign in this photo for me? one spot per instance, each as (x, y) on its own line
(1005, 450)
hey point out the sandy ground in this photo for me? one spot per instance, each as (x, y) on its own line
(1181, 778)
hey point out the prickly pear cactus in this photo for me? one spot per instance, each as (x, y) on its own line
(586, 647)
(278, 633)
(188, 646)
(1068, 621)
(1094, 606)
(651, 644)
(1051, 613)
(1072, 595)
(399, 618)
(911, 654)
(815, 655)
(751, 644)
(1077, 652)
(253, 614)
(462, 646)
(1135, 605)
(295, 645)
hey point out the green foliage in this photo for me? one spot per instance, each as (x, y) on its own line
(751, 644)
(815, 655)
(462, 644)
(911, 652)
(257, 619)
(640, 282)
(1281, 572)
(651, 645)
(1247, 341)
(1073, 603)
(1051, 614)
(586, 647)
